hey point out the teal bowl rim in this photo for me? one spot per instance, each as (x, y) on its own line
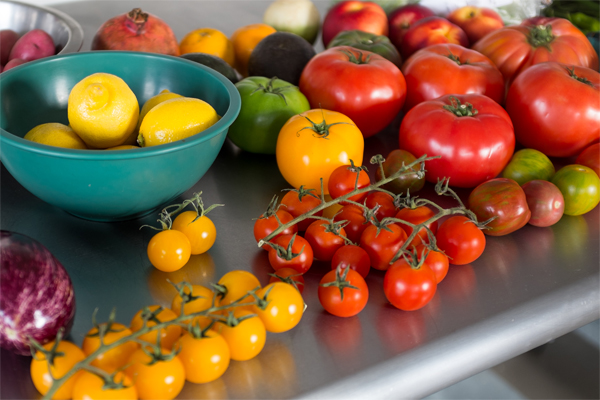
(102, 155)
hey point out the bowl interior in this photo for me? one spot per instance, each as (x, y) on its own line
(21, 18)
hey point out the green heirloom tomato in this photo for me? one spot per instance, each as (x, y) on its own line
(378, 44)
(407, 182)
(267, 104)
(528, 165)
(580, 187)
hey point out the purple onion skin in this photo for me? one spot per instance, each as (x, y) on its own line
(36, 294)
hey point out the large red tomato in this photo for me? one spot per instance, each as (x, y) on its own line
(516, 48)
(555, 108)
(472, 134)
(450, 69)
(362, 85)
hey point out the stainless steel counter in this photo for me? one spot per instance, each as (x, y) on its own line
(526, 289)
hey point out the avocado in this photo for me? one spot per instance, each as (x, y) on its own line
(214, 62)
(281, 54)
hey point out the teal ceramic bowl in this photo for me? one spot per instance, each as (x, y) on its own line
(105, 185)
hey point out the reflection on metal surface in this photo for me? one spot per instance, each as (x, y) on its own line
(340, 337)
(279, 369)
(399, 330)
(536, 243)
(499, 257)
(199, 270)
(571, 234)
(459, 286)
(245, 379)
(206, 391)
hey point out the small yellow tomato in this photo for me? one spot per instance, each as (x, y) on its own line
(246, 338)
(169, 250)
(168, 336)
(203, 302)
(201, 232)
(205, 358)
(283, 309)
(114, 358)
(42, 377)
(237, 284)
(90, 386)
(160, 380)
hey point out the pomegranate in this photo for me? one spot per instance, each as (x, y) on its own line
(136, 31)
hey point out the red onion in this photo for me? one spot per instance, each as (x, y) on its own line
(36, 293)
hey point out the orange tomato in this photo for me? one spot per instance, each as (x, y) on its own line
(203, 302)
(209, 41)
(244, 40)
(90, 386)
(42, 377)
(114, 358)
(161, 380)
(206, 358)
(168, 336)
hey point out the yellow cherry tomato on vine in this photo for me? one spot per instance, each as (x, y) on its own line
(42, 377)
(90, 386)
(205, 358)
(237, 284)
(283, 308)
(168, 335)
(308, 151)
(114, 358)
(203, 301)
(160, 380)
(245, 338)
(169, 250)
(201, 232)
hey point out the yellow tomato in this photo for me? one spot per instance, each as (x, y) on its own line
(160, 380)
(283, 309)
(203, 302)
(168, 335)
(205, 358)
(246, 338)
(308, 151)
(42, 377)
(201, 232)
(90, 386)
(114, 358)
(237, 284)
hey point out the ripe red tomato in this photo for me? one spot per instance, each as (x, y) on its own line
(362, 85)
(436, 261)
(472, 133)
(357, 222)
(590, 157)
(430, 31)
(417, 216)
(557, 125)
(289, 276)
(300, 201)
(545, 202)
(344, 179)
(322, 237)
(515, 48)
(382, 246)
(460, 239)
(502, 199)
(338, 297)
(409, 288)
(267, 223)
(387, 208)
(450, 69)
(299, 257)
(353, 257)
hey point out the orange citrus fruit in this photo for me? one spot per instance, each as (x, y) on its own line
(209, 41)
(245, 40)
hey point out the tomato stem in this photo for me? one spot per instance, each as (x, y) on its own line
(540, 36)
(581, 79)
(340, 281)
(460, 110)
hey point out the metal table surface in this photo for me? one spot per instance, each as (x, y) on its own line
(526, 289)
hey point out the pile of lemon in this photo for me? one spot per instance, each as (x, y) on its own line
(104, 113)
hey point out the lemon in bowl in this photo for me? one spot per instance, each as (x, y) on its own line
(106, 185)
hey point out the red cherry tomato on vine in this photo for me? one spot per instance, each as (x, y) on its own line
(436, 261)
(289, 276)
(267, 223)
(357, 222)
(387, 208)
(461, 240)
(299, 258)
(353, 257)
(301, 201)
(343, 180)
(382, 246)
(339, 281)
(417, 216)
(409, 288)
(169, 250)
(323, 241)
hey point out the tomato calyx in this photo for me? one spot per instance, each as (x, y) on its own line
(286, 253)
(302, 192)
(186, 297)
(581, 79)
(540, 36)
(340, 281)
(156, 354)
(270, 89)
(357, 60)
(149, 315)
(456, 59)
(104, 328)
(198, 205)
(335, 227)
(321, 130)
(271, 210)
(231, 320)
(460, 110)
(288, 279)
(196, 330)
(49, 355)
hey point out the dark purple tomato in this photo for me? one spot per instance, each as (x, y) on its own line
(409, 181)
(545, 202)
(502, 199)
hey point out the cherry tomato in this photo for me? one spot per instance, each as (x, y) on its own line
(203, 301)
(301, 201)
(580, 187)
(246, 338)
(408, 181)
(42, 377)
(409, 288)
(114, 358)
(267, 223)
(299, 257)
(312, 144)
(160, 380)
(417, 216)
(169, 250)
(344, 179)
(460, 239)
(236, 285)
(436, 261)
(289, 276)
(382, 246)
(201, 232)
(387, 208)
(353, 257)
(357, 222)
(345, 293)
(90, 386)
(168, 336)
(282, 307)
(545, 202)
(204, 358)
(324, 242)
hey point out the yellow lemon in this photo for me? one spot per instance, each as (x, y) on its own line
(55, 134)
(123, 147)
(103, 110)
(176, 119)
(209, 41)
